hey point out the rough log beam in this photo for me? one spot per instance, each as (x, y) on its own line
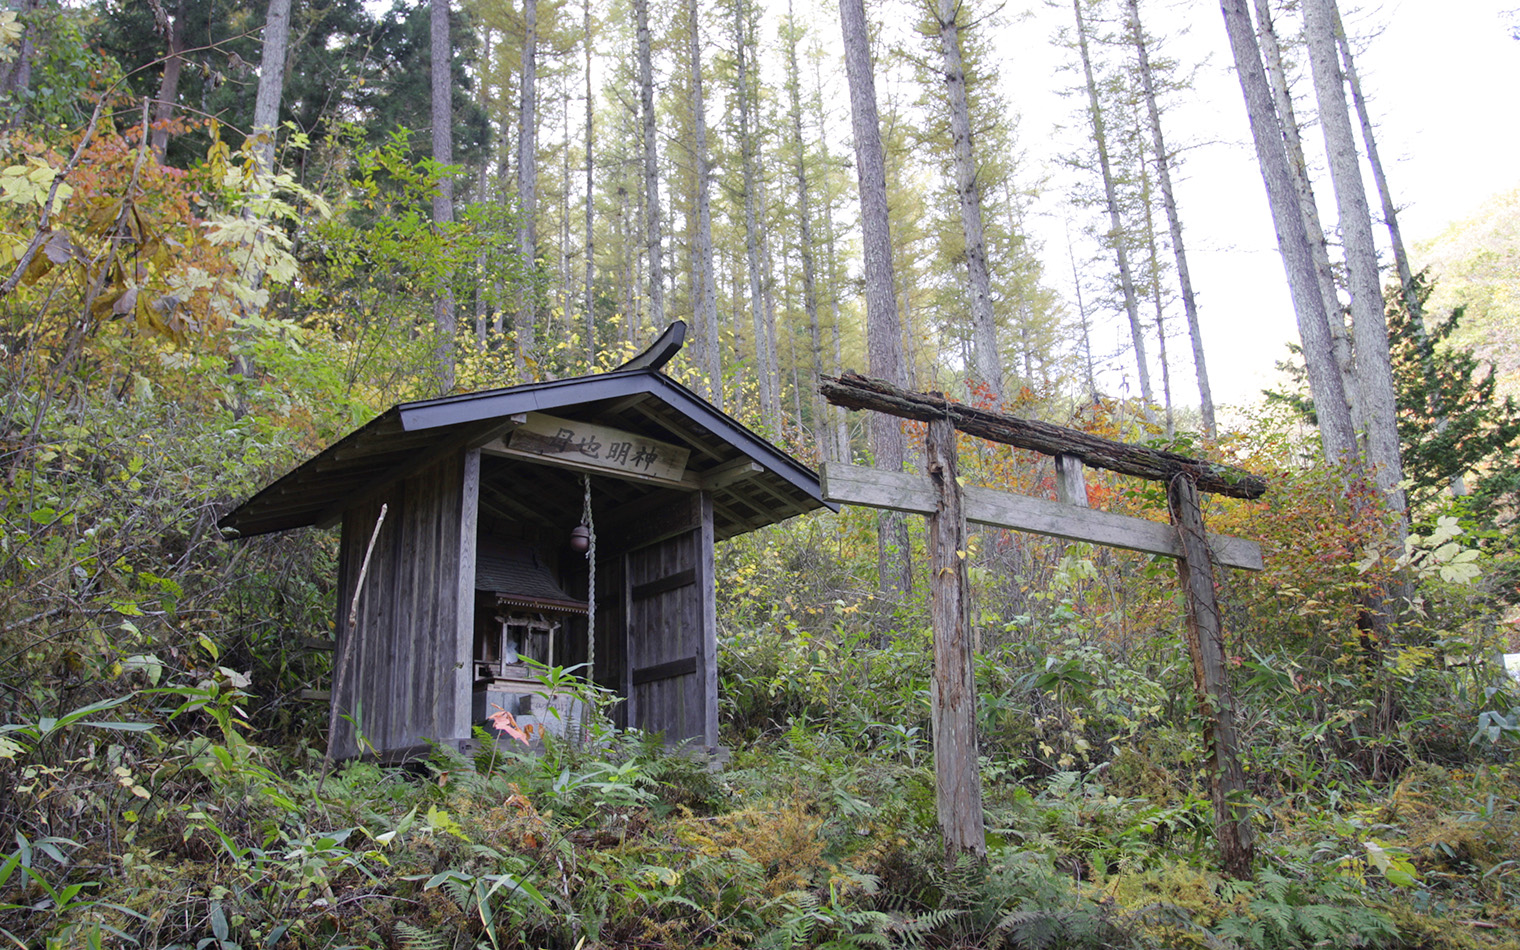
(853, 391)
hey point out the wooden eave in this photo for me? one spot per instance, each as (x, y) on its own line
(753, 483)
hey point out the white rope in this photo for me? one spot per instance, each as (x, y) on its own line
(590, 596)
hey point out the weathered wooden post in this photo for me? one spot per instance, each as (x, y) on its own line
(957, 772)
(1205, 638)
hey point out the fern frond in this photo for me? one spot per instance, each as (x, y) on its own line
(417, 938)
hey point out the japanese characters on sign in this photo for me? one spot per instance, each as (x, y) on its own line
(600, 447)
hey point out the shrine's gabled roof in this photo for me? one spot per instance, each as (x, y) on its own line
(753, 483)
(519, 577)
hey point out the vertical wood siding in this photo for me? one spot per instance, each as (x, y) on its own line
(671, 619)
(408, 679)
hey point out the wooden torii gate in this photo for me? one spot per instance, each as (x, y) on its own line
(958, 791)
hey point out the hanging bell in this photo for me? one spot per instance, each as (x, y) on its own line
(580, 539)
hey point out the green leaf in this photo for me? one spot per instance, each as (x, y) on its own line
(1396, 868)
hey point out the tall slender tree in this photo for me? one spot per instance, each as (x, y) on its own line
(831, 259)
(1111, 202)
(821, 429)
(1374, 374)
(1163, 161)
(1319, 248)
(1337, 433)
(883, 331)
(653, 233)
(987, 355)
(168, 86)
(589, 49)
(526, 323)
(443, 202)
(705, 295)
(746, 94)
(266, 106)
(1407, 284)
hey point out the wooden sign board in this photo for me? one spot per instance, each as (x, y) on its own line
(584, 445)
(901, 491)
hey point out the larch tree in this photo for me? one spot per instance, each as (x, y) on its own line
(1319, 247)
(833, 279)
(589, 49)
(526, 321)
(442, 115)
(1380, 180)
(746, 94)
(822, 431)
(1374, 374)
(1153, 271)
(1337, 433)
(266, 104)
(986, 354)
(1163, 163)
(883, 331)
(704, 286)
(653, 230)
(164, 102)
(1116, 235)
(1413, 298)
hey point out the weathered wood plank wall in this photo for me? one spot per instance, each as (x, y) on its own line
(409, 679)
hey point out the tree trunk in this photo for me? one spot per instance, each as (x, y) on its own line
(840, 423)
(986, 353)
(957, 774)
(527, 187)
(1115, 223)
(1277, 75)
(443, 202)
(768, 296)
(1374, 372)
(483, 277)
(1407, 285)
(1390, 213)
(652, 229)
(883, 331)
(1174, 221)
(566, 295)
(1076, 280)
(168, 85)
(766, 380)
(821, 428)
(1337, 433)
(705, 304)
(590, 303)
(266, 105)
(1153, 253)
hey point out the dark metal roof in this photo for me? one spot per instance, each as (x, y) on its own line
(517, 576)
(403, 439)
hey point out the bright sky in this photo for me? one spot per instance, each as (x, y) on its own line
(1443, 76)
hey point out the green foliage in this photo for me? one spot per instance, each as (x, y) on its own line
(1281, 911)
(1452, 421)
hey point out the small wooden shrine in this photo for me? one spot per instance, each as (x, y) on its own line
(491, 498)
